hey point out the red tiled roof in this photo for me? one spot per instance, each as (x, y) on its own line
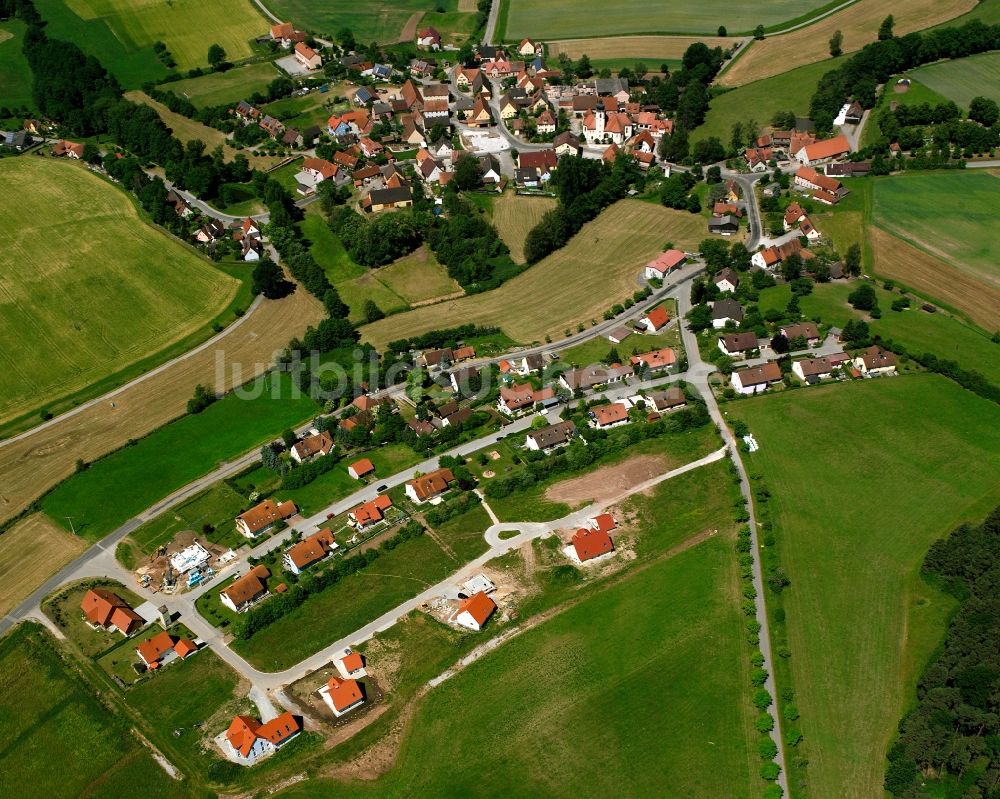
(479, 606)
(590, 544)
(353, 662)
(610, 413)
(432, 484)
(658, 317)
(343, 693)
(362, 467)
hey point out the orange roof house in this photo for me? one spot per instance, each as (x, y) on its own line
(353, 663)
(655, 319)
(155, 649)
(660, 266)
(369, 513)
(244, 591)
(823, 150)
(609, 415)
(309, 551)
(473, 612)
(342, 696)
(104, 608)
(421, 489)
(361, 468)
(250, 740)
(589, 544)
(656, 359)
(264, 516)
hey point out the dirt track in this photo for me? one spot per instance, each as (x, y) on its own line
(608, 482)
(32, 465)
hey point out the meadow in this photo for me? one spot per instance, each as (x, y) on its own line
(514, 215)
(859, 25)
(964, 78)
(173, 456)
(760, 100)
(887, 466)
(597, 268)
(15, 75)
(60, 220)
(616, 674)
(122, 32)
(52, 717)
(567, 19)
(220, 88)
(380, 21)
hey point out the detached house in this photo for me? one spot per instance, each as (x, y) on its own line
(551, 437)
(655, 320)
(590, 376)
(473, 612)
(429, 39)
(604, 417)
(738, 345)
(308, 551)
(807, 330)
(516, 398)
(590, 544)
(314, 446)
(307, 57)
(163, 648)
(261, 518)
(656, 360)
(725, 311)
(429, 486)
(727, 281)
(105, 609)
(249, 741)
(812, 370)
(875, 361)
(246, 590)
(670, 400)
(370, 513)
(361, 468)
(664, 263)
(756, 379)
(342, 696)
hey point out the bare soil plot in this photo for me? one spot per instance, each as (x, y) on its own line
(30, 465)
(935, 277)
(599, 267)
(859, 23)
(409, 32)
(661, 48)
(32, 550)
(514, 215)
(607, 483)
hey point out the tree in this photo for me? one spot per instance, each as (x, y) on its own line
(863, 298)
(708, 151)
(784, 120)
(722, 31)
(202, 398)
(346, 38)
(467, 173)
(289, 437)
(674, 148)
(855, 333)
(713, 175)
(836, 43)
(372, 312)
(758, 32)
(216, 56)
(852, 260)
(583, 67)
(91, 153)
(699, 318)
(779, 344)
(984, 111)
(269, 280)
(885, 29)
(791, 267)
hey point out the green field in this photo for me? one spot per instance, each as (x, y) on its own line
(221, 88)
(564, 19)
(961, 79)
(62, 741)
(59, 222)
(379, 21)
(863, 477)
(15, 75)
(173, 456)
(121, 32)
(615, 694)
(760, 100)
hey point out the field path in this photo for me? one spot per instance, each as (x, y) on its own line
(409, 32)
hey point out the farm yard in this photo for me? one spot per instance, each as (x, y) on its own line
(861, 623)
(122, 32)
(963, 78)
(380, 21)
(33, 549)
(565, 18)
(514, 215)
(599, 266)
(858, 23)
(60, 219)
(231, 86)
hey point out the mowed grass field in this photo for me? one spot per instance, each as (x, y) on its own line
(597, 268)
(859, 24)
(964, 78)
(62, 740)
(71, 316)
(514, 215)
(33, 549)
(15, 75)
(218, 88)
(652, 50)
(121, 32)
(571, 18)
(855, 514)
(380, 21)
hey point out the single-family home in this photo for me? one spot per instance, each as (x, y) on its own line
(807, 229)
(793, 215)
(464, 77)
(528, 364)
(875, 361)
(480, 115)
(726, 280)
(550, 437)
(806, 330)
(384, 199)
(671, 399)
(164, 647)
(655, 360)
(567, 143)
(263, 516)
(655, 320)
(812, 370)
(825, 150)
(473, 612)
(663, 264)
(529, 48)
(604, 417)
(246, 590)
(312, 446)
(71, 149)
(252, 249)
(307, 57)
(590, 376)
(104, 608)
(757, 158)
(545, 124)
(249, 741)
(722, 209)
(429, 38)
(369, 513)
(756, 379)
(738, 345)
(725, 311)
(766, 258)
(342, 696)
(723, 225)
(285, 34)
(428, 486)
(524, 396)
(590, 544)
(361, 468)
(308, 551)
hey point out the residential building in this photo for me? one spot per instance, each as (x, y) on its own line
(567, 143)
(313, 446)
(361, 468)
(671, 399)
(725, 311)
(806, 330)
(756, 379)
(604, 417)
(429, 38)
(591, 544)
(590, 376)
(738, 345)
(383, 199)
(812, 370)
(875, 361)
(342, 696)
(104, 608)
(821, 151)
(70, 149)
(473, 612)
(308, 551)
(249, 741)
(164, 647)
(551, 437)
(655, 320)
(808, 178)
(262, 517)
(370, 513)
(246, 590)
(726, 280)
(285, 34)
(524, 396)
(307, 57)
(428, 486)
(656, 360)
(664, 263)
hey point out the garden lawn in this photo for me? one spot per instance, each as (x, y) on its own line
(59, 219)
(887, 466)
(593, 351)
(62, 741)
(961, 79)
(348, 605)
(173, 456)
(463, 534)
(15, 75)
(223, 88)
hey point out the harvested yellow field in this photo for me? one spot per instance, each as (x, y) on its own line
(31, 551)
(418, 277)
(514, 215)
(32, 463)
(599, 267)
(187, 129)
(649, 47)
(935, 277)
(467, 6)
(859, 23)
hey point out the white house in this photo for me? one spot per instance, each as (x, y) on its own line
(756, 379)
(473, 612)
(551, 437)
(342, 696)
(428, 486)
(875, 361)
(247, 740)
(737, 345)
(812, 369)
(661, 266)
(726, 281)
